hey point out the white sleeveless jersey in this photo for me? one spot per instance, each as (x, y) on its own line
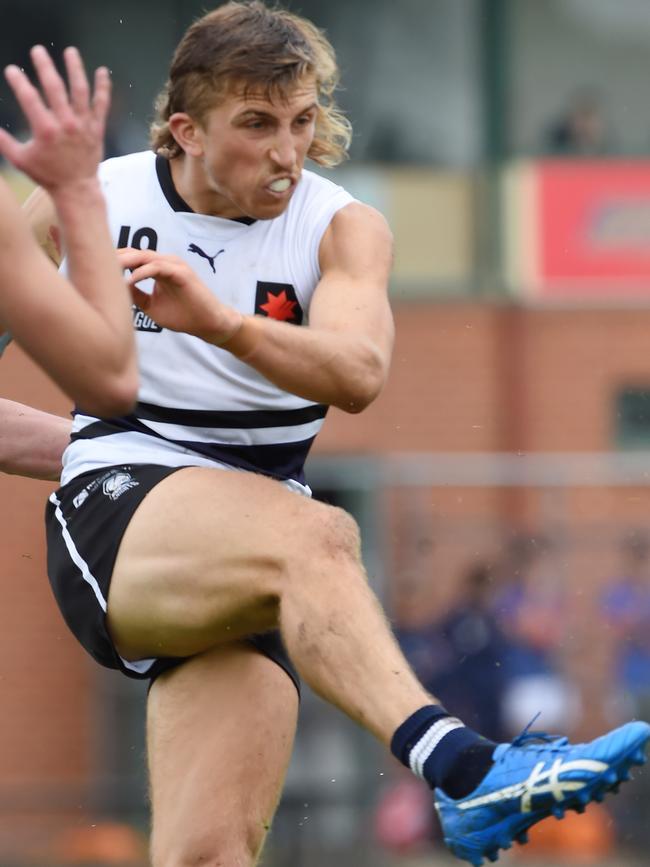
(199, 405)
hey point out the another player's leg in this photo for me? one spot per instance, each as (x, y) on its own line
(249, 555)
(220, 731)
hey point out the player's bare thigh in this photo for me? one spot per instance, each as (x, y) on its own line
(220, 734)
(202, 560)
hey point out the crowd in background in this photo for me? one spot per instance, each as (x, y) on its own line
(499, 657)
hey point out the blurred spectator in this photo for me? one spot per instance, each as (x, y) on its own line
(530, 607)
(581, 130)
(625, 606)
(459, 657)
(626, 609)
(124, 133)
(404, 820)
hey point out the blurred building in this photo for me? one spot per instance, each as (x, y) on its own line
(519, 395)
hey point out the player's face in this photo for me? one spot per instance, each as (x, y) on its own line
(254, 150)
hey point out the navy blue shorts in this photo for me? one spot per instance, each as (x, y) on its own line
(85, 521)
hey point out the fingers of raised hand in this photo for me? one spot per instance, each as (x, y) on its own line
(77, 80)
(40, 110)
(101, 95)
(28, 98)
(51, 82)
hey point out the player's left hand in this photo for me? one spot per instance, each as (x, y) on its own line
(180, 301)
(67, 124)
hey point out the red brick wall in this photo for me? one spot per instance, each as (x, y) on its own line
(490, 377)
(443, 389)
(493, 377)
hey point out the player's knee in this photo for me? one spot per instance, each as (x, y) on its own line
(335, 535)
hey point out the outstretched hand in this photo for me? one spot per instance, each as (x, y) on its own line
(180, 301)
(67, 124)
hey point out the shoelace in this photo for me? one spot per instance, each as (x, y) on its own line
(546, 741)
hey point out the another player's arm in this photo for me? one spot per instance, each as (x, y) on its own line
(340, 359)
(31, 441)
(82, 333)
(40, 213)
(83, 344)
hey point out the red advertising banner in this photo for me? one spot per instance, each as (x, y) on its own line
(587, 229)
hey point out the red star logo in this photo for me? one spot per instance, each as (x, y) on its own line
(279, 306)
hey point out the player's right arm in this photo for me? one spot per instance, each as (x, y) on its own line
(80, 332)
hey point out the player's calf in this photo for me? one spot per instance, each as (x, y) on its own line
(231, 849)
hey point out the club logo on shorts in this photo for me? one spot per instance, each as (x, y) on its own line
(278, 301)
(81, 498)
(117, 484)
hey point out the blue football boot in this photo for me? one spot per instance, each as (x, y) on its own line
(536, 776)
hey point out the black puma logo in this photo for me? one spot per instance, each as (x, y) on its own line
(194, 248)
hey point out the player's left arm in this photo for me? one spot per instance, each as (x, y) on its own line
(343, 357)
(31, 441)
(340, 359)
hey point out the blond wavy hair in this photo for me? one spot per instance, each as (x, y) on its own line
(245, 45)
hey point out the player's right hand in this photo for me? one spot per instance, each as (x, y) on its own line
(67, 124)
(180, 301)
